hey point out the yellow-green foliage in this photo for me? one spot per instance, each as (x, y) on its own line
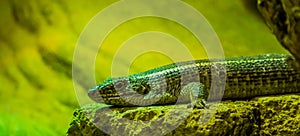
(12, 124)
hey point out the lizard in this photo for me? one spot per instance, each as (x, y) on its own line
(203, 80)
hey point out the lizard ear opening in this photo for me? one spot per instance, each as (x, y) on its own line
(141, 87)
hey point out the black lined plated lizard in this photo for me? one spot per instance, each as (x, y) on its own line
(239, 78)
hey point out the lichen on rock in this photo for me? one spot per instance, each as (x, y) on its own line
(273, 115)
(283, 18)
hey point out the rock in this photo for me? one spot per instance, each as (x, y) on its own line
(280, 115)
(283, 18)
(274, 115)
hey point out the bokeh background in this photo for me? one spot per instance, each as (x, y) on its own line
(37, 41)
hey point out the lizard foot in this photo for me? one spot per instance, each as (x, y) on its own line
(196, 94)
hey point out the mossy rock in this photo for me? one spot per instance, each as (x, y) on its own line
(283, 18)
(277, 115)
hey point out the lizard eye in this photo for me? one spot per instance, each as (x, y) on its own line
(119, 85)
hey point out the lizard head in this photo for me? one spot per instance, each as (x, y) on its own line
(117, 91)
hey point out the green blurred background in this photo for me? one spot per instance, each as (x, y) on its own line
(37, 41)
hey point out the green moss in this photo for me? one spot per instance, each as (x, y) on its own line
(274, 115)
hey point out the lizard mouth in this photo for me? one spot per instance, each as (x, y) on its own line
(128, 98)
(113, 99)
(100, 96)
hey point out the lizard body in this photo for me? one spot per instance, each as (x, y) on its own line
(231, 78)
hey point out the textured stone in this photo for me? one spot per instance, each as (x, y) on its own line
(277, 115)
(283, 18)
(280, 115)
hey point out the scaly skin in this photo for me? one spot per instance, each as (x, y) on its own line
(239, 78)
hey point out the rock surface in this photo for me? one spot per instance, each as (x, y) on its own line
(283, 18)
(273, 115)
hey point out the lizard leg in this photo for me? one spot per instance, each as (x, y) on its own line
(195, 93)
